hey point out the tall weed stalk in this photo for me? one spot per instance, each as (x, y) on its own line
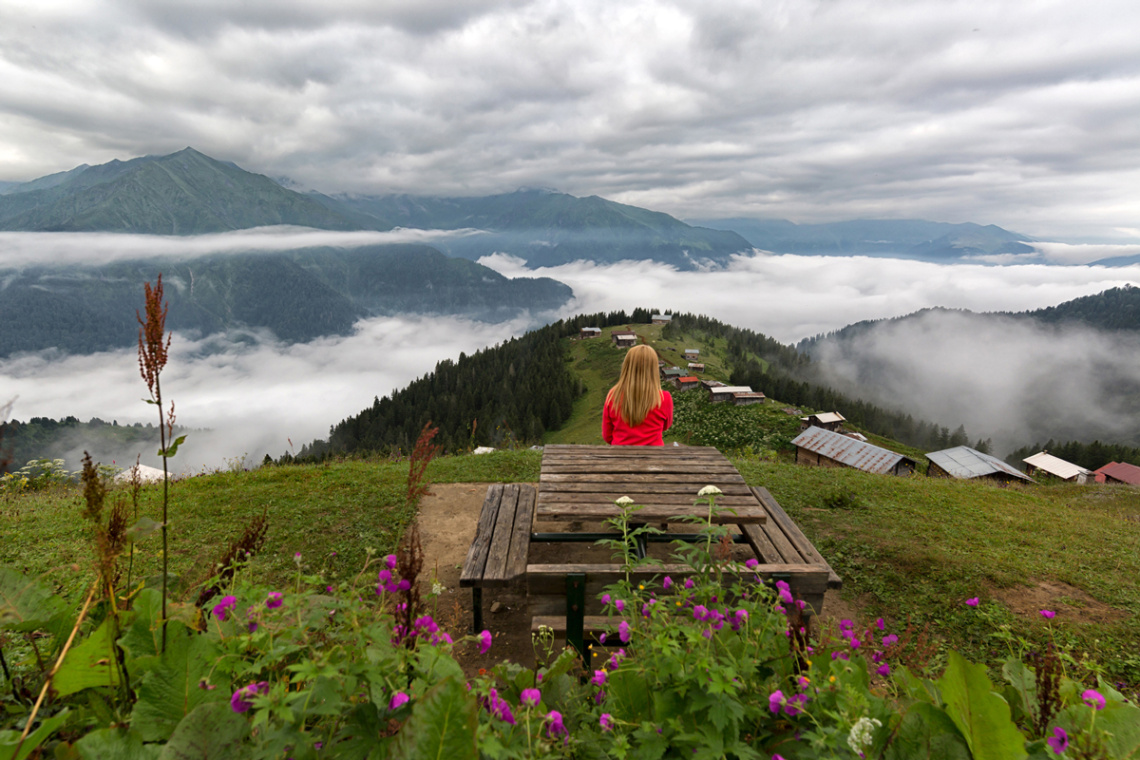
(154, 346)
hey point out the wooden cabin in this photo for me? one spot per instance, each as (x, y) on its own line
(970, 464)
(820, 447)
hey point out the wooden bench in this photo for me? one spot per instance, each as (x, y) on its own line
(498, 554)
(779, 541)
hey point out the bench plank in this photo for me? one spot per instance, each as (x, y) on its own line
(599, 511)
(520, 538)
(794, 534)
(476, 560)
(496, 570)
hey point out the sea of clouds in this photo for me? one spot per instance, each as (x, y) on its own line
(246, 399)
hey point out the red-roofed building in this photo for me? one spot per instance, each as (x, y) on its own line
(1118, 472)
(686, 383)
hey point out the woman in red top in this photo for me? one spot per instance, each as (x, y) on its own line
(637, 412)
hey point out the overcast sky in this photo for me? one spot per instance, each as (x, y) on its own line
(1021, 114)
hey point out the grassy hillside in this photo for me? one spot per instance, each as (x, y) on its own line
(909, 549)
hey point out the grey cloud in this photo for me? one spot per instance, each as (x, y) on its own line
(813, 111)
(1005, 379)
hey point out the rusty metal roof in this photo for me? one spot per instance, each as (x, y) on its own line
(964, 462)
(848, 451)
(1127, 473)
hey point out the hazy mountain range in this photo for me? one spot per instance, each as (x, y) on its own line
(188, 193)
(899, 238)
(298, 295)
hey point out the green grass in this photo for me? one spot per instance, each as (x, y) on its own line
(918, 547)
(330, 513)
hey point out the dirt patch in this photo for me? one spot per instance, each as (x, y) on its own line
(447, 520)
(1067, 601)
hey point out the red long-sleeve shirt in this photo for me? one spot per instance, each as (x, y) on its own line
(650, 432)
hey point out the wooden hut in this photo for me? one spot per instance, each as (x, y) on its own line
(824, 448)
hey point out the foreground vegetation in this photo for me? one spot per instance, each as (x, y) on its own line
(268, 681)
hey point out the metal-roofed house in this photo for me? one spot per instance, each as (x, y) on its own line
(624, 338)
(719, 393)
(1119, 472)
(687, 382)
(825, 420)
(661, 319)
(825, 448)
(747, 398)
(966, 463)
(1057, 467)
(590, 332)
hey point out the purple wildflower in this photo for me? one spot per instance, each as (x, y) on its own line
(751, 563)
(620, 605)
(274, 601)
(398, 699)
(241, 700)
(1093, 698)
(1048, 614)
(252, 625)
(390, 561)
(689, 583)
(606, 722)
(623, 632)
(605, 598)
(890, 639)
(1059, 741)
(666, 584)
(883, 670)
(972, 602)
(599, 678)
(530, 697)
(776, 701)
(556, 727)
(484, 641)
(221, 608)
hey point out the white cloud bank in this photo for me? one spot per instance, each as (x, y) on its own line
(256, 397)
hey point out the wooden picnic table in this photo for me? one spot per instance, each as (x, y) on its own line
(582, 483)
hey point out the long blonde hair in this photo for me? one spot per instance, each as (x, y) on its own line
(638, 390)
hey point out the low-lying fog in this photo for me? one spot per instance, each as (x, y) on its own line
(255, 398)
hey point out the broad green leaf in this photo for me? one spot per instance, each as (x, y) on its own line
(918, 689)
(115, 743)
(90, 663)
(359, 737)
(9, 740)
(172, 449)
(1122, 722)
(1024, 683)
(433, 665)
(28, 605)
(927, 733)
(143, 528)
(209, 731)
(171, 688)
(982, 716)
(143, 636)
(442, 725)
(628, 693)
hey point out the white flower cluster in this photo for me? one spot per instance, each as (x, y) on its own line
(860, 735)
(709, 491)
(623, 501)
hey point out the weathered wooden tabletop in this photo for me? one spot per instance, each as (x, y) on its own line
(581, 483)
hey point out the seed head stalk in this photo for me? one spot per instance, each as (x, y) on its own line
(154, 345)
